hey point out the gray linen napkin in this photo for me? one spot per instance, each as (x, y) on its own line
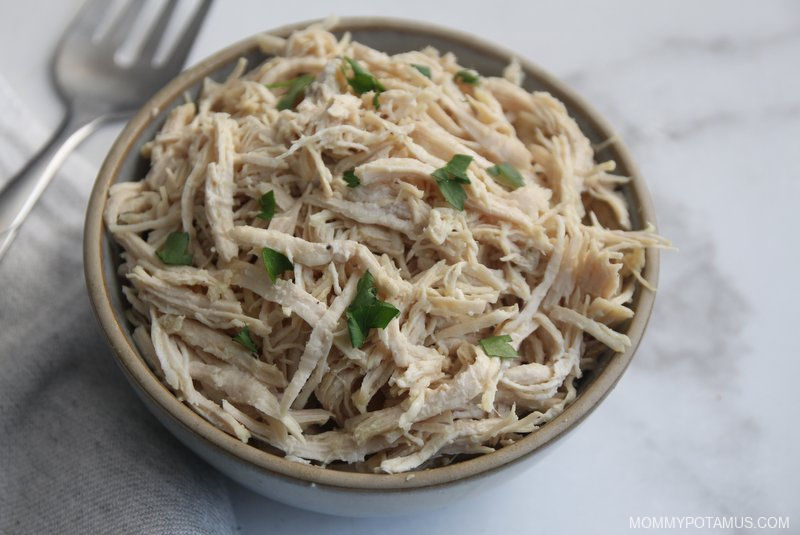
(79, 453)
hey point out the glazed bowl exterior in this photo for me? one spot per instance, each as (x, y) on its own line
(312, 487)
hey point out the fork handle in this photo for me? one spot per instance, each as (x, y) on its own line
(20, 194)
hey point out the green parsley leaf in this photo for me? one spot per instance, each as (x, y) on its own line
(423, 69)
(367, 311)
(453, 193)
(450, 179)
(467, 76)
(275, 262)
(362, 81)
(506, 174)
(175, 250)
(277, 85)
(357, 334)
(457, 167)
(268, 206)
(383, 313)
(296, 89)
(243, 338)
(351, 178)
(498, 346)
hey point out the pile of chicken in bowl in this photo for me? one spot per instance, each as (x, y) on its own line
(375, 262)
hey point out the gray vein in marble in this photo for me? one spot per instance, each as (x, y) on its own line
(636, 135)
(670, 46)
(727, 45)
(677, 462)
(727, 118)
(696, 125)
(700, 313)
(692, 352)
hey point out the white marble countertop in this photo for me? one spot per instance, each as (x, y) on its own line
(707, 95)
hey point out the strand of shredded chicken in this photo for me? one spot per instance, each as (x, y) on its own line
(552, 264)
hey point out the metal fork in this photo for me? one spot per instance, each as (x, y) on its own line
(94, 88)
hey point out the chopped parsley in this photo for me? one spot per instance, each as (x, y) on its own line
(499, 346)
(451, 178)
(351, 178)
(506, 174)
(175, 250)
(457, 167)
(268, 206)
(243, 338)
(453, 193)
(275, 262)
(367, 311)
(296, 88)
(364, 82)
(423, 69)
(467, 76)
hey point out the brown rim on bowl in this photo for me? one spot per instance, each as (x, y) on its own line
(137, 370)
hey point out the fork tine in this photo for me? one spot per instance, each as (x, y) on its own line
(150, 44)
(184, 44)
(122, 25)
(89, 16)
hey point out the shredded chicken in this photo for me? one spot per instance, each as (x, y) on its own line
(535, 263)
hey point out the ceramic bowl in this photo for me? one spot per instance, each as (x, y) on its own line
(311, 487)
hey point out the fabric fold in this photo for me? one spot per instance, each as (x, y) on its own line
(79, 453)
